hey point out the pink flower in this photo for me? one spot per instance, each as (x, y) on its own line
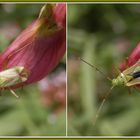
(132, 58)
(40, 47)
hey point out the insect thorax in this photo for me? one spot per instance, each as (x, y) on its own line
(121, 80)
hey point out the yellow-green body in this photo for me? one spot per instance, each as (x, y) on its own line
(126, 78)
(11, 77)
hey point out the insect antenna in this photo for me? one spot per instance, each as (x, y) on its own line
(107, 94)
(101, 106)
(129, 90)
(14, 93)
(108, 78)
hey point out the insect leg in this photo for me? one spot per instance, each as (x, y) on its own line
(22, 87)
(129, 90)
(126, 61)
(101, 105)
(116, 70)
(1, 91)
(14, 93)
(136, 89)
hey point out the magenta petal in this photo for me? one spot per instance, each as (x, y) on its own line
(60, 14)
(132, 58)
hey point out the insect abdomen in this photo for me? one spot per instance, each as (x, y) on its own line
(136, 74)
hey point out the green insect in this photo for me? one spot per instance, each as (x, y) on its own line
(11, 77)
(128, 78)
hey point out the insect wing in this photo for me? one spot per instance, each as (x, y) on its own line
(133, 82)
(10, 77)
(7, 82)
(130, 71)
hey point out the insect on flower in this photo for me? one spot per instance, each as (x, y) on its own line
(129, 75)
(12, 76)
(37, 50)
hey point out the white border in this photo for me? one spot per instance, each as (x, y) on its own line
(66, 73)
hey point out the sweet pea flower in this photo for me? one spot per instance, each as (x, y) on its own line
(131, 59)
(40, 47)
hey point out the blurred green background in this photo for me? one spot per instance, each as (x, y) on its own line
(104, 35)
(40, 110)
